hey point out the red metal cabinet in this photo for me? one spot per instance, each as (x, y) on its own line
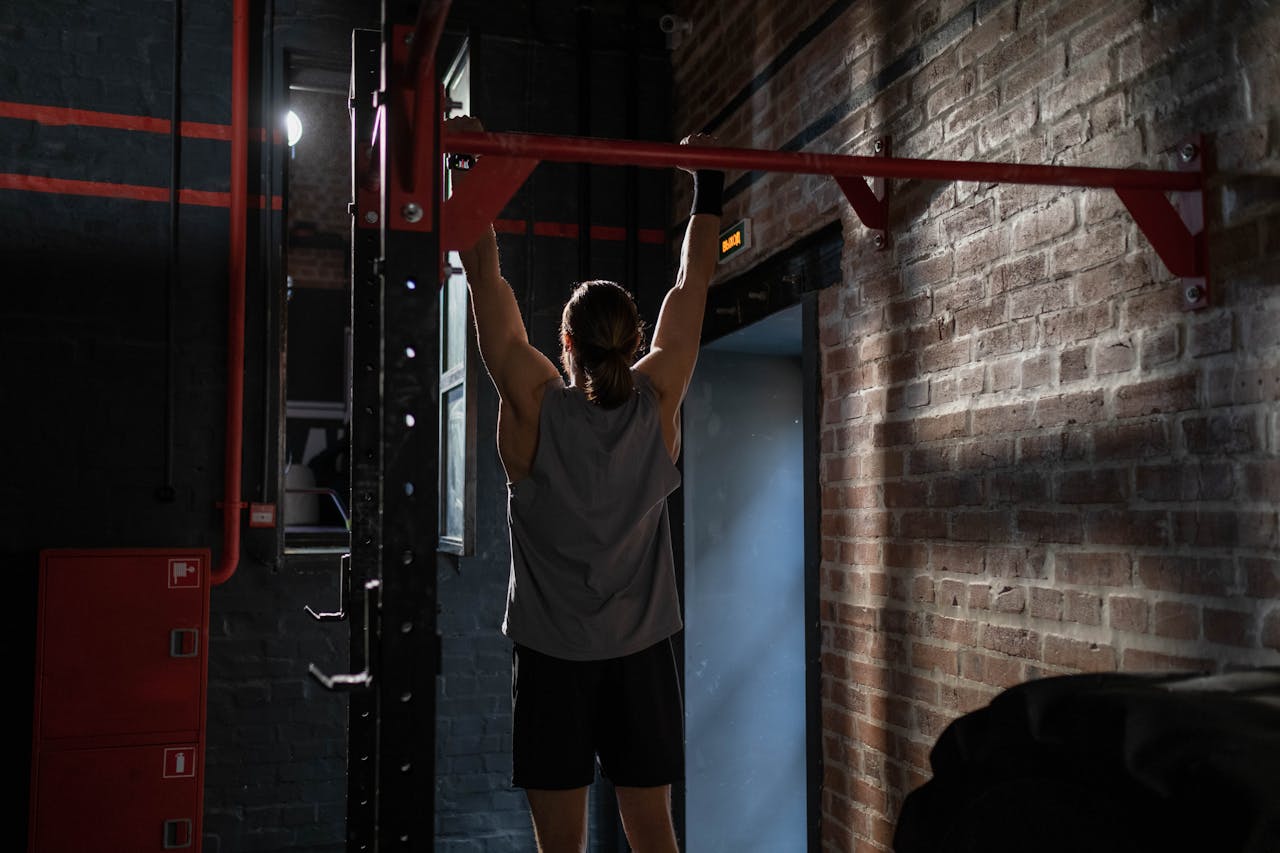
(121, 669)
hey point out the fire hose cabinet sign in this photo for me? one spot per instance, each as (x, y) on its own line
(121, 674)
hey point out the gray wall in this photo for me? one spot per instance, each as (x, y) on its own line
(744, 603)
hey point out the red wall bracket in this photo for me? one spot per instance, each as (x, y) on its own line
(871, 202)
(489, 185)
(1178, 234)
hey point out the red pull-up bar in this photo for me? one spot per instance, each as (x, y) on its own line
(1177, 236)
(662, 155)
(1176, 233)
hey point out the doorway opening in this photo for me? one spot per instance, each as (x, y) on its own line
(750, 588)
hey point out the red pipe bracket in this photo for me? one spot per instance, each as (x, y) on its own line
(478, 200)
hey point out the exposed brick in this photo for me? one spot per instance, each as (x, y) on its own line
(1003, 339)
(1018, 273)
(1017, 487)
(1231, 627)
(984, 453)
(1050, 526)
(956, 491)
(935, 658)
(1105, 282)
(1174, 394)
(1189, 575)
(1160, 346)
(1261, 481)
(1126, 527)
(1083, 607)
(1221, 433)
(1244, 385)
(1076, 324)
(988, 669)
(1009, 599)
(1128, 613)
(1224, 529)
(1139, 660)
(1083, 407)
(1046, 603)
(1271, 629)
(1094, 569)
(1073, 364)
(1096, 246)
(957, 558)
(1015, 562)
(1002, 419)
(940, 427)
(971, 526)
(893, 433)
(1044, 448)
(1185, 482)
(1017, 642)
(1175, 619)
(908, 494)
(1043, 226)
(1079, 654)
(1101, 485)
(1262, 577)
(1114, 357)
(1211, 335)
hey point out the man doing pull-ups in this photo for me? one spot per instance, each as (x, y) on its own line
(592, 600)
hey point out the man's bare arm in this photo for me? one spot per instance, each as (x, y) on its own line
(516, 367)
(678, 335)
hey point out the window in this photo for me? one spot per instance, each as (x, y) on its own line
(458, 358)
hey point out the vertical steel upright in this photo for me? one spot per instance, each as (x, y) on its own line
(366, 444)
(396, 275)
(408, 653)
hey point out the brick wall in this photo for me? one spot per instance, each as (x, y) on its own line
(1032, 461)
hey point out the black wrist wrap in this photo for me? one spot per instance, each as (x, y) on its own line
(708, 192)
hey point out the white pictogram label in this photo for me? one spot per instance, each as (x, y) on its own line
(180, 762)
(184, 573)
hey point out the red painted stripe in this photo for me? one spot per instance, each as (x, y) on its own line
(598, 232)
(555, 229)
(509, 226)
(100, 189)
(65, 116)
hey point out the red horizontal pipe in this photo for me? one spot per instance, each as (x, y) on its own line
(661, 155)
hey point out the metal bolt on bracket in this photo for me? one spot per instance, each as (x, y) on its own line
(1193, 294)
(1188, 152)
(371, 217)
(412, 212)
(878, 240)
(879, 146)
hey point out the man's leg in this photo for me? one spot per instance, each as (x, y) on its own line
(646, 818)
(559, 819)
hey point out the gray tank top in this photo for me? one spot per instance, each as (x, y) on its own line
(592, 574)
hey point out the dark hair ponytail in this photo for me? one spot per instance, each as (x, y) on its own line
(602, 323)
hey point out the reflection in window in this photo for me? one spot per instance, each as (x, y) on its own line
(457, 370)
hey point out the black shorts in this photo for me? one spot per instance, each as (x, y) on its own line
(626, 711)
